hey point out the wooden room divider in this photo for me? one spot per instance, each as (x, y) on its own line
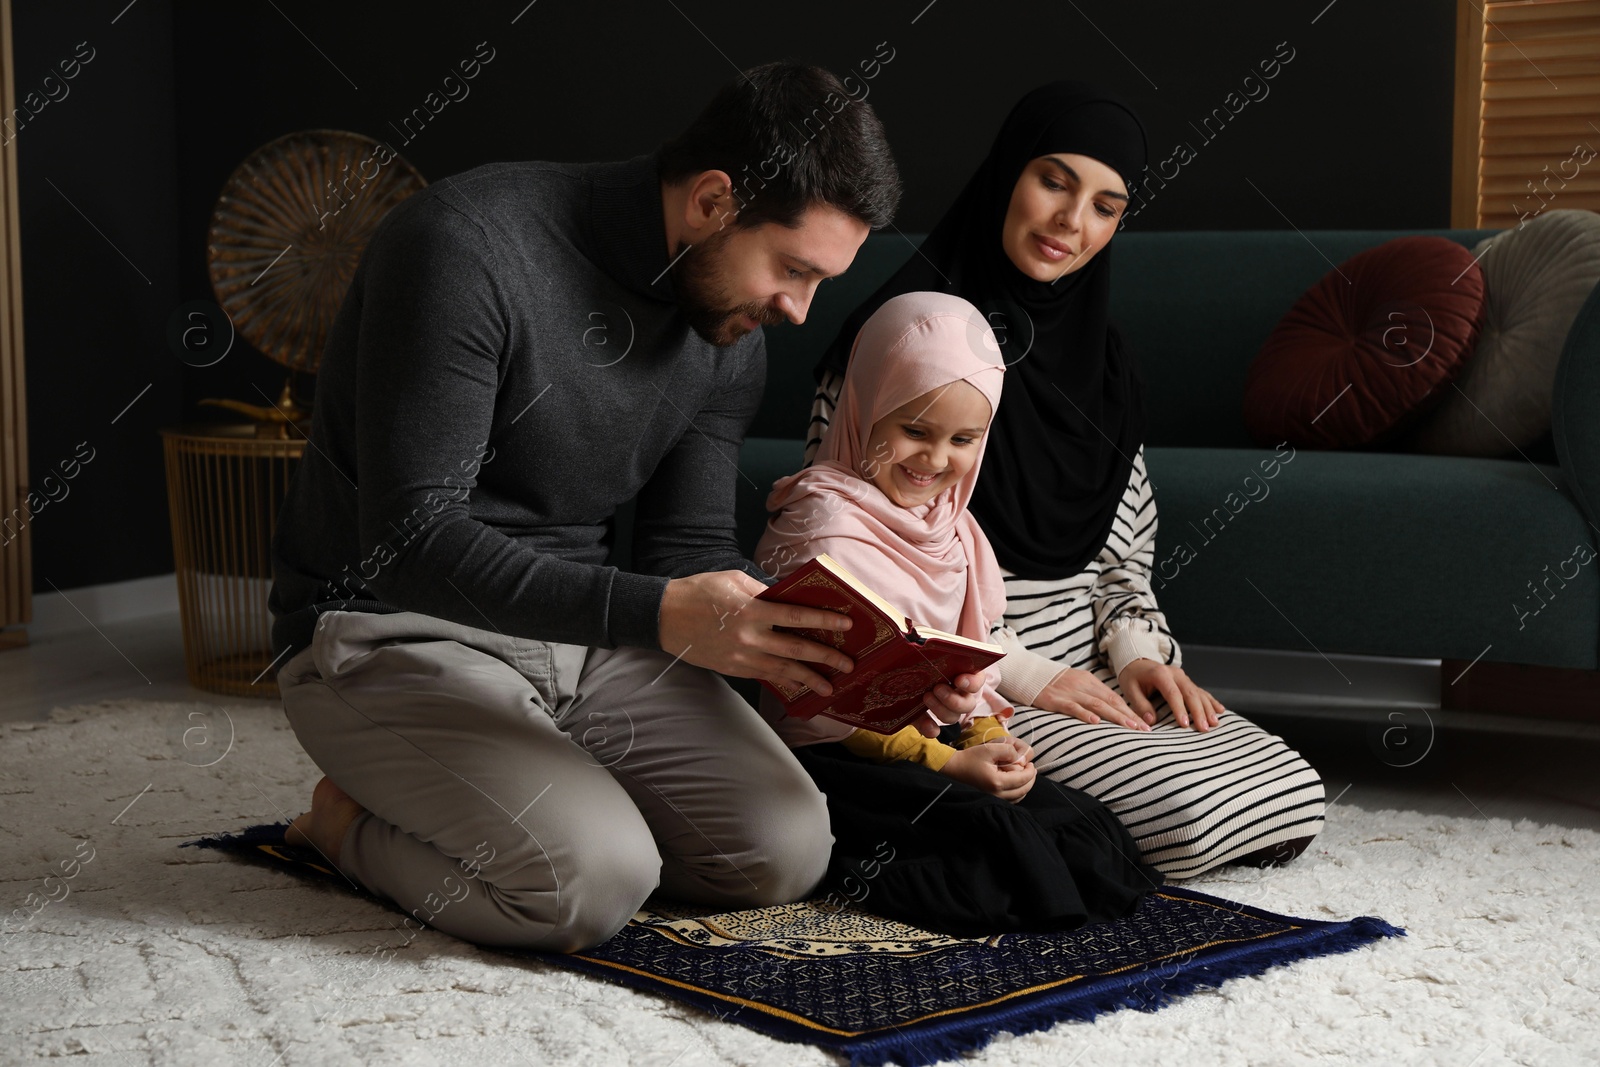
(16, 533)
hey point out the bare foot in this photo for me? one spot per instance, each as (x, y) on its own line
(323, 827)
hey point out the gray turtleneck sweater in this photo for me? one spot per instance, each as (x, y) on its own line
(508, 366)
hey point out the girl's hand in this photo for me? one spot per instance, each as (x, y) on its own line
(1083, 696)
(1002, 767)
(1190, 704)
(946, 704)
(949, 703)
(1022, 752)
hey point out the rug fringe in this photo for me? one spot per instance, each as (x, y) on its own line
(958, 1038)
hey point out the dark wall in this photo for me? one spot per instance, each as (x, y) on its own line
(1353, 132)
(98, 200)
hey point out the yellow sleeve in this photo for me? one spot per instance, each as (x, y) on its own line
(981, 730)
(905, 744)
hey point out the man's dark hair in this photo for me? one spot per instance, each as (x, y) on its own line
(789, 135)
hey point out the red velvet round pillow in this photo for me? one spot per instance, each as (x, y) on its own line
(1366, 350)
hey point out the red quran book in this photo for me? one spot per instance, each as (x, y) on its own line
(896, 661)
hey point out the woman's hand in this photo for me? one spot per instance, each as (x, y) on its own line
(1003, 767)
(1190, 704)
(1083, 696)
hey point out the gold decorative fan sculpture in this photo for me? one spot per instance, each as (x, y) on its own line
(285, 238)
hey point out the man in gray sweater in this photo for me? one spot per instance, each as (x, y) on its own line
(520, 742)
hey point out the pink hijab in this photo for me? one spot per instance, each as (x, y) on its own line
(931, 561)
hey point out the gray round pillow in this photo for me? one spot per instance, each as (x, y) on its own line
(1535, 278)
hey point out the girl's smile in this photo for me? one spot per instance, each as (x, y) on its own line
(927, 445)
(921, 481)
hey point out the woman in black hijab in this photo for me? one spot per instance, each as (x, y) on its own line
(1065, 501)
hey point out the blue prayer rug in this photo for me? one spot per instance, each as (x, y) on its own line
(878, 991)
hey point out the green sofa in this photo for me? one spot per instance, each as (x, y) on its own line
(1368, 553)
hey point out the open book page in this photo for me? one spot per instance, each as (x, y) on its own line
(964, 642)
(905, 623)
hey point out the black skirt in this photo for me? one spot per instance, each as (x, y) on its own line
(913, 845)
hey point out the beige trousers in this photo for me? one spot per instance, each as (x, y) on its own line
(533, 794)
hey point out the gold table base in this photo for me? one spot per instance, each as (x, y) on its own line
(225, 486)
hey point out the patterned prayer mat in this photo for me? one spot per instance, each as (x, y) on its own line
(880, 991)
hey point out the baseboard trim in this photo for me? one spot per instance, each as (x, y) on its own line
(102, 605)
(1311, 680)
(1390, 693)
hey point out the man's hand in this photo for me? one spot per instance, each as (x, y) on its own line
(1001, 767)
(714, 620)
(1083, 696)
(1190, 704)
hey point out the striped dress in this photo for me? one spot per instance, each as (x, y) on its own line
(1192, 800)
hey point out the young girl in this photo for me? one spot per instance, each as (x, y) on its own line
(957, 837)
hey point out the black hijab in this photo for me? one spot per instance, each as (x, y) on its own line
(1071, 417)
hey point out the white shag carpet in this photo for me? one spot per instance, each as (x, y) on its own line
(151, 954)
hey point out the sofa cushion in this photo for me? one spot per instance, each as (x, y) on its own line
(1366, 350)
(1536, 277)
(1365, 552)
(1373, 553)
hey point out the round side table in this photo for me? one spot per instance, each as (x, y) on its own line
(225, 485)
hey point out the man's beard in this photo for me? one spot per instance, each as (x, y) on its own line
(703, 297)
